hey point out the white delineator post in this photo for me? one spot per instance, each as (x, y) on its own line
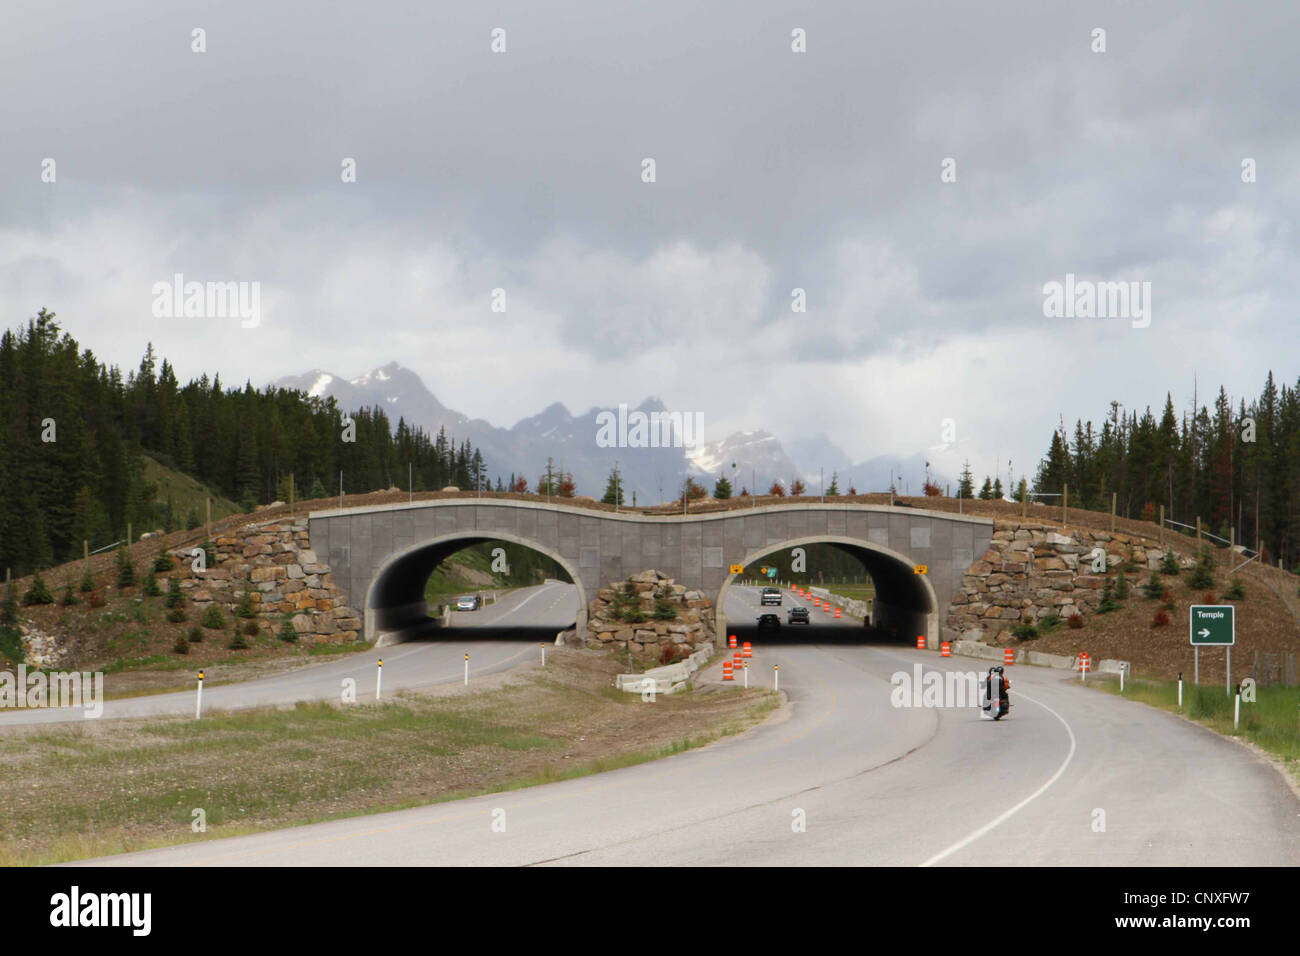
(466, 670)
(1180, 690)
(1121, 678)
(198, 699)
(776, 677)
(379, 677)
(746, 675)
(543, 653)
(1236, 709)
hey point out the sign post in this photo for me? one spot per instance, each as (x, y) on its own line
(1212, 625)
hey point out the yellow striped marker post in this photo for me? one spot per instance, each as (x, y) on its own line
(198, 699)
(379, 677)
(466, 670)
(543, 653)
(776, 677)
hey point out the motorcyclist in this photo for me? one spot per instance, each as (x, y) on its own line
(998, 686)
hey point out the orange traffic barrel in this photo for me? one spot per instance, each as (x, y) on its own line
(837, 612)
(920, 642)
(945, 649)
(1008, 656)
(731, 641)
(727, 672)
(748, 651)
(737, 660)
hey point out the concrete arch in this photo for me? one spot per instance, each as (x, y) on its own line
(395, 602)
(904, 599)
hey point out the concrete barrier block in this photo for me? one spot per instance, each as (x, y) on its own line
(1050, 660)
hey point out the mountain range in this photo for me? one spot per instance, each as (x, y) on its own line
(750, 459)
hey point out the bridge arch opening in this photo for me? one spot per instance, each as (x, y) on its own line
(904, 606)
(398, 608)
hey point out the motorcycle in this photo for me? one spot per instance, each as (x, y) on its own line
(996, 703)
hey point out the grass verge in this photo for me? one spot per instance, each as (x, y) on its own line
(70, 792)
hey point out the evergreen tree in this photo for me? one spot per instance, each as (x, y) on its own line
(613, 489)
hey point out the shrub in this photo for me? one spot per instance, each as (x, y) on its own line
(667, 654)
(38, 593)
(1025, 632)
(665, 610)
(1202, 576)
(1108, 602)
(195, 635)
(212, 618)
(176, 615)
(68, 598)
(150, 586)
(1207, 597)
(251, 628)
(1154, 587)
(87, 582)
(182, 646)
(1121, 587)
(96, 599)
(1050, 622)
(1161, 619)
(163, 562)
(245, 607)
(1075, 621)
(1170, 564)
(125, 569)
(287, 632)
(237, 641)
(175, 598)
(1236, 590)
(1166, 596)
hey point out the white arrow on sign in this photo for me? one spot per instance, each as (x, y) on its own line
(1204, 632)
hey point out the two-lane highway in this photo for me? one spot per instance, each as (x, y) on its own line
(846, 777)
(496, 636)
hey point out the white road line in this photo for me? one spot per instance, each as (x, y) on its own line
(967, 841)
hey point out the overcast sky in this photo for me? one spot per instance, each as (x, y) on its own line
(820, 170)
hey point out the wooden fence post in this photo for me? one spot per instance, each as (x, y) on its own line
(1113, 496)
(1065, 505)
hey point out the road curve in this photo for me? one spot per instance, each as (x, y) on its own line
(874, 783)
(497, 637)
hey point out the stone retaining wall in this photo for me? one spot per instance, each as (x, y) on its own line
(273, 561)
(692, 628)
(1031, 570)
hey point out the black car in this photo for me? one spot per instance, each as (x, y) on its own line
(798, 615)
(770, 596)
(767, 621)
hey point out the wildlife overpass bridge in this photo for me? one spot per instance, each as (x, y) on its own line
(381, 556)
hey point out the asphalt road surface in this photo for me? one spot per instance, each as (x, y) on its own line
(871, 782)
(496, 636)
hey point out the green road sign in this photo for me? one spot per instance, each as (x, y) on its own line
(771, 572)
(1213, 624)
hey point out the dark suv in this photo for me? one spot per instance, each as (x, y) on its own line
(767, 621)
(770, 596)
